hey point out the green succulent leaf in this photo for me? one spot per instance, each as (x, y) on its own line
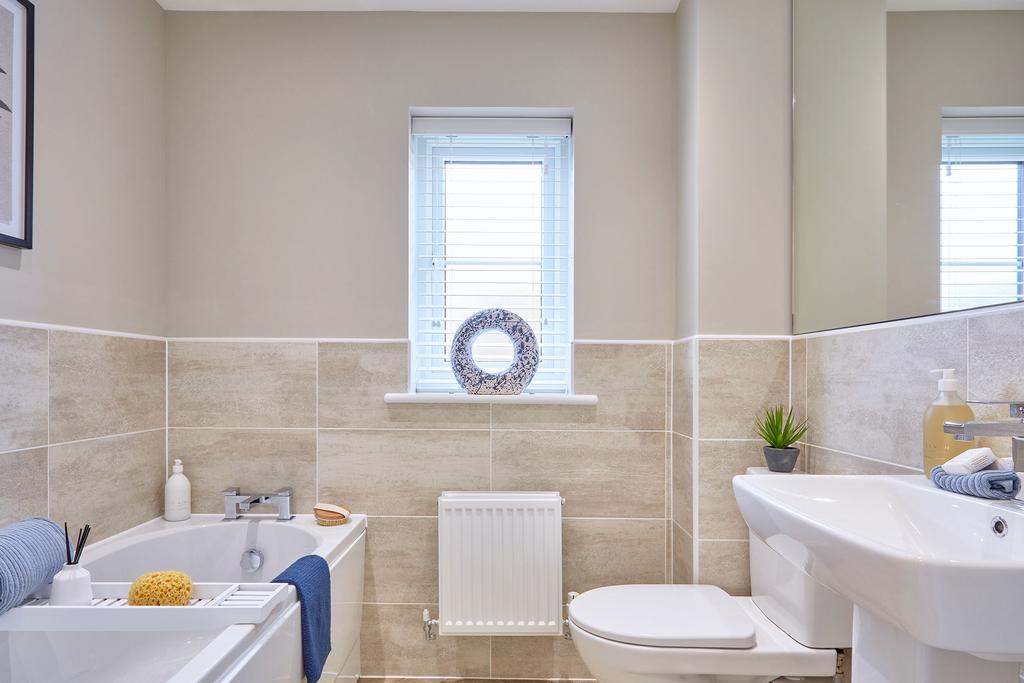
(778, 428)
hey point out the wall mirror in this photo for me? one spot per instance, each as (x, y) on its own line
(908, 155)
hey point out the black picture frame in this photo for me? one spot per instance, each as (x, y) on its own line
(23, 239)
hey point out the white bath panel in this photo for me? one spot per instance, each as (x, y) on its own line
(500, 563)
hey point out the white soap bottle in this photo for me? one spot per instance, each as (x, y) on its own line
(177, 495)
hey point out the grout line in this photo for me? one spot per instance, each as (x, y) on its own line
(316, 422)
(695, 461)
(724, 540)
(577, 519)
(48, 401)
(76, 441)
(167, 410)
(670, 483)
(911, 469)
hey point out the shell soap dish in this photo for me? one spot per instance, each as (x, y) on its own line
(330, 515)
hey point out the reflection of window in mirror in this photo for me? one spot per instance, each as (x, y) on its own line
(981, 182)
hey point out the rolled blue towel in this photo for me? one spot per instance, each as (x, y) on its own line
(997, 484)
(31, 552)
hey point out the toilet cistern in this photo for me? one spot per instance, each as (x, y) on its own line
(1013, 428)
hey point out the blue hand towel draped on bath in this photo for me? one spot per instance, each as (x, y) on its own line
(996, 484)
(31, 552)
(312, 579)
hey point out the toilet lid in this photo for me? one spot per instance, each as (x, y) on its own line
(664, 616)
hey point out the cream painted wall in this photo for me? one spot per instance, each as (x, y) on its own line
(288, 160)
(734, 250)
(840, 164)
(98, 259)
(936, 59)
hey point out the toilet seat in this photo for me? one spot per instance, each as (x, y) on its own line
(613, 659)
(664, 615)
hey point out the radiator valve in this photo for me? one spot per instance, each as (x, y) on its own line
(429, 626)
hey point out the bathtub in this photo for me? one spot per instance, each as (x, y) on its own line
(251, 549)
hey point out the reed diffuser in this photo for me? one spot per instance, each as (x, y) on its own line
(72, 585)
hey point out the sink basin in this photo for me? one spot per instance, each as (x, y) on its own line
(946, 569)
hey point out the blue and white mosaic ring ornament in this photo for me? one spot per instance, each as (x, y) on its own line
(525, 356)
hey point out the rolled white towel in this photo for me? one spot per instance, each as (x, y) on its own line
(970, 461)
(1004, 464)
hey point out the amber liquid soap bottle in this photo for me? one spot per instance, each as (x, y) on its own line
(947, 407)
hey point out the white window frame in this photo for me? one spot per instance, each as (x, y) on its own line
(425, 343)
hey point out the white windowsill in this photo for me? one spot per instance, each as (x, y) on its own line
(518, 399)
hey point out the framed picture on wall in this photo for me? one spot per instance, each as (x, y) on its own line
(17, 26)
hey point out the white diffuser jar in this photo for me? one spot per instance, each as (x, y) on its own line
(72, 585)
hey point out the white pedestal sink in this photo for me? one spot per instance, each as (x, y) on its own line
(937, 578)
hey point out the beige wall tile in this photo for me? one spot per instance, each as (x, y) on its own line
(380, 472)
(720, 461)
(102, 385)
(353, 379)
(997, 357)
(628, 379)
(831, 462)
(401, 560)
(23, 387)
(682, 555)
(682, 388)
(606, 552)
(24, 477)
(739, 378)
(242, 384)
(682, 481)
(798, 378)
(254, 460)
(392, 644)
(112, 483)
(600, 474)
(726, 564)
(867, 391)
(541, 657)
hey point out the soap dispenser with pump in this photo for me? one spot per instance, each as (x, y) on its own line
(177, 495)
(948, 406)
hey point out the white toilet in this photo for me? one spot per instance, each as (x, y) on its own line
(654, 633)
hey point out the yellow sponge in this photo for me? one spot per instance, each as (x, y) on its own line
(161, 589)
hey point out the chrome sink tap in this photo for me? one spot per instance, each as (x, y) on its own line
(1013, 428)
(236, 502)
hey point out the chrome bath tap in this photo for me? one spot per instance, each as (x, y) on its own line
(236, 502)
(1013, 428)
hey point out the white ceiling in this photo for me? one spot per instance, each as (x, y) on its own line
(421, 5)
(947, 5)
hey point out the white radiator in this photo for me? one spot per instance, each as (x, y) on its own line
(500, 563)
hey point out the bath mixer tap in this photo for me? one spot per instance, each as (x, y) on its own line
(1013, 428)
(236, 502)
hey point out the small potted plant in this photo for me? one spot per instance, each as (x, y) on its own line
(780, 431)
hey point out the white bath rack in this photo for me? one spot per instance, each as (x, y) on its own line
(213, 605)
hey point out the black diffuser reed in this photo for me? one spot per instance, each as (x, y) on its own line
(83, 538)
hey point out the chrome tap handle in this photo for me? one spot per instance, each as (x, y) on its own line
(1016, 407)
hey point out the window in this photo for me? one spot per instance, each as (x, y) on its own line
(981, 182)
(491, 226)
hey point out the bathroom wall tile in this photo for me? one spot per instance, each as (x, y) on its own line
(682, 555)
(738, 379)
(392, 644)
(381, 472)
(682, 481)
(353, 379)
(798, 378)
(112, 483)
(102, 385)
(24, 485)
(867, 391)
(605, 552)
(629, 380)
(242, 384)
(997, 357)
(23, 387)
(831, 462)
(254, 460)
(726, 564)
(541, 657)
(720, 461)
(401, 560)
(600, 474)
(682, 388)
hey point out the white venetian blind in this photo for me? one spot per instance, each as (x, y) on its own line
(491, 226)
(981, 183)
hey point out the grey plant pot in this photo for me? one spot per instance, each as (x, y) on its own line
(781, 459)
